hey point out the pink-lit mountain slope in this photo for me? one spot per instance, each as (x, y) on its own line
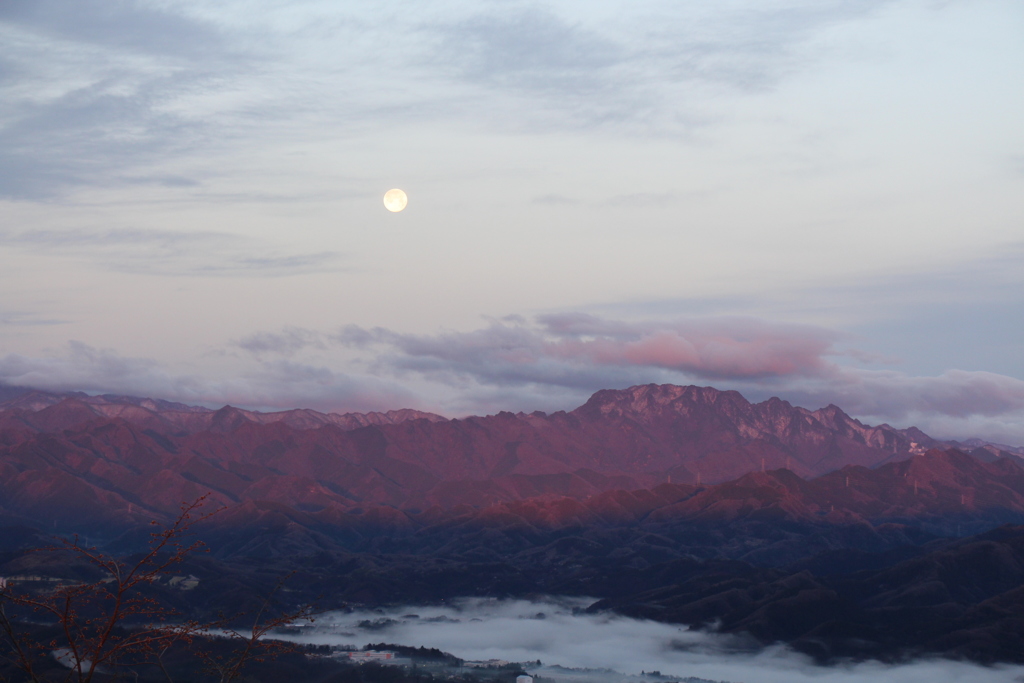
(769, 518)
(940, 484)
(117, 458)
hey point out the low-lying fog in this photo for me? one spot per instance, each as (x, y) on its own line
(556, 632)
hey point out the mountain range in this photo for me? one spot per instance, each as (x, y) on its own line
(682, 504)
(73, 457)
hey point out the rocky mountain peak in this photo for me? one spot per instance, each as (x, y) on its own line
(647, 400)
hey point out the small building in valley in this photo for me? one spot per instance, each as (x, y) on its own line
(371, 656)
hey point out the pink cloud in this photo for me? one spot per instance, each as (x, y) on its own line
(734, 351)
(734, 348)
(577, 353)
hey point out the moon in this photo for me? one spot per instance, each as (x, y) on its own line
(395, 200)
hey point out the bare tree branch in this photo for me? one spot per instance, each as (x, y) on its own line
(99, 620)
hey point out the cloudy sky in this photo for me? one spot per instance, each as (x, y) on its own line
(816, 199)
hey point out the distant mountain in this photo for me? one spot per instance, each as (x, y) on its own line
(48, 412)
(995, 450)
(72, 459)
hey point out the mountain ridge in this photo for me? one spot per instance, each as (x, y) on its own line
(29, 404)
(120, 460)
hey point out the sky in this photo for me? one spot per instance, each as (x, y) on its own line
(555, 631)
(821, 200)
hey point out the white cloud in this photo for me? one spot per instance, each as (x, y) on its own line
(274, 384)
(174, 253)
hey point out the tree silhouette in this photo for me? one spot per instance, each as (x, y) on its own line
(103, 628)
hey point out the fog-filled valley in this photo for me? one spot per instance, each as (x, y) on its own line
(605, 648)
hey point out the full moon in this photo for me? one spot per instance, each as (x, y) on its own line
(395, 200)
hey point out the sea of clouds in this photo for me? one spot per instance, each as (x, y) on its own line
(558, 632)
